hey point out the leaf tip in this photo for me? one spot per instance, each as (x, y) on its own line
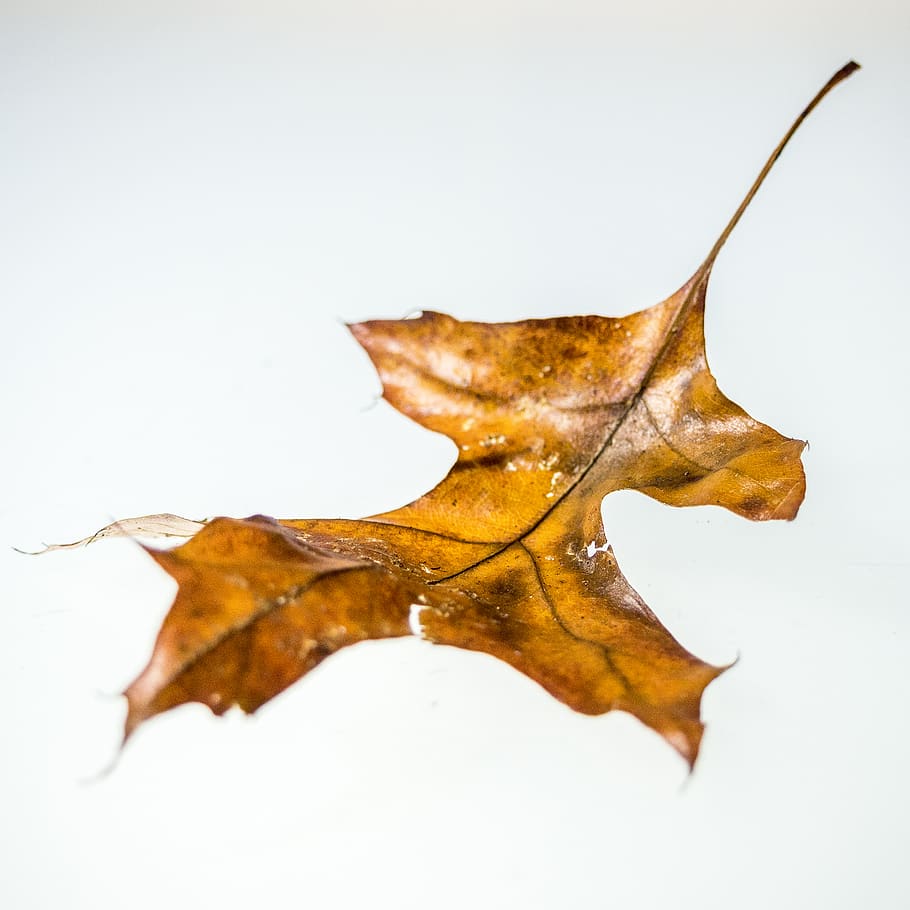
(22, 552)
(687, 737)
(134, 719)
(686, 743)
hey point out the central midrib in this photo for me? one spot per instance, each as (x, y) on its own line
(697, 281)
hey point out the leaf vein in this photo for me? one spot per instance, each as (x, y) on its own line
(551, 605)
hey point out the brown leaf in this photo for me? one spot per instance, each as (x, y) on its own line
(507, 555)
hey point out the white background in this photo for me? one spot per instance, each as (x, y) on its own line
(194, 197)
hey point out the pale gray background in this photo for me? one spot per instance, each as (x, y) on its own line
(193, 196)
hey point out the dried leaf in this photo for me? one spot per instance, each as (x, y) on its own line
(507, 555)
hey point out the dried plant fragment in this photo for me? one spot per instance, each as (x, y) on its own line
(163, 525)
(507, 555)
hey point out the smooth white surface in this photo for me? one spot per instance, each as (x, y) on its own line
(195, 196)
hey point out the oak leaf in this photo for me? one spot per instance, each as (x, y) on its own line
(507, 555)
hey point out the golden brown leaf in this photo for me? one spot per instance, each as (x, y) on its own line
(507, 555)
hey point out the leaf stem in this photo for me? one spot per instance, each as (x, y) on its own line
(846, 70)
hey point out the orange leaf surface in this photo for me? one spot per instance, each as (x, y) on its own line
(507, 555)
